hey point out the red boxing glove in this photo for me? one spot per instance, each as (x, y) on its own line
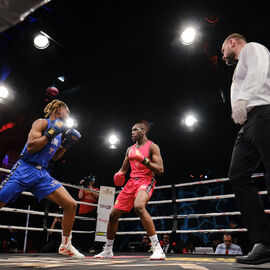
(119, 179)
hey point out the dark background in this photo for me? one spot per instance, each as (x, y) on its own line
(123, 62)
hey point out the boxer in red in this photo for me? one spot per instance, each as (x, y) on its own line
(145, 161)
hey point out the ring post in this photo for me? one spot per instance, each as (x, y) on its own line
(175, 210)
(26, 231)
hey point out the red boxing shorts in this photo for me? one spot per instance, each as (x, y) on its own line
(125, 199)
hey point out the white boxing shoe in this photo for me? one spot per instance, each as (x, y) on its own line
(71, 251)
(106, 253)
(158, 253)
(66, 248)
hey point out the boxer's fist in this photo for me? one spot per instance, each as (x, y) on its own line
(119, 179)
(72, 136)
(135, 155)
(57, 127)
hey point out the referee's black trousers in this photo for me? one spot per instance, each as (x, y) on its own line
(252, 146)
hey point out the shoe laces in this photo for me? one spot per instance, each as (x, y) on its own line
(106, 248)
(156, 247)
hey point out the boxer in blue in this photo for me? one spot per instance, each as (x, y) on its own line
(30, 172)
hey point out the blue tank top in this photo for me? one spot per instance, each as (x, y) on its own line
(44, 156)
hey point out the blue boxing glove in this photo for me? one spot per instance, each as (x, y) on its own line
(72, 136)
(57, 127)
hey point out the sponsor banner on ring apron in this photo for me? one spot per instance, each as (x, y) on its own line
(105, 205)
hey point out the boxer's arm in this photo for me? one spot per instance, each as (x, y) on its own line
(156, 162)
(59, 153)
(36, 140)
(125, 164)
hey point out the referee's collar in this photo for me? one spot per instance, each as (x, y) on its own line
(241, 52)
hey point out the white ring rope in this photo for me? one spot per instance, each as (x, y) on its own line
(236, 213)
(212, 230)
(32, 212)
(27, 193)
(137, 218)
(124, 233)
(39, 213)
(218, 180)
(255, 175)
(142, 232)
(4, 170)
(215, 197)
(79, 187)
(160, 202)
(39, 229)
(188, 231)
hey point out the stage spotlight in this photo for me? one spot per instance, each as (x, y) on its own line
(190, 120)
(41, 42)
(70, 122)
(113, 141)
(3, 92)
(61, 78)
(188, 36)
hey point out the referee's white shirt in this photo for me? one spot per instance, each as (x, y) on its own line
(251, 79)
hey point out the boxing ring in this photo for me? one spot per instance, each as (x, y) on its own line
(125, 260)
(122, 261)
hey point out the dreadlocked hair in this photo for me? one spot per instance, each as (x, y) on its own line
(52, 106)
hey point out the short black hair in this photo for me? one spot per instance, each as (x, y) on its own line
(227, 234)
(144, 125)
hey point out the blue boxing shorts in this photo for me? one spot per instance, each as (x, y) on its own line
(26, 176)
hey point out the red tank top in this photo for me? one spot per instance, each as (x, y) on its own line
(138, 170)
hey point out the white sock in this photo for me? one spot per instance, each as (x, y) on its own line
(109, 242)
(154, 240)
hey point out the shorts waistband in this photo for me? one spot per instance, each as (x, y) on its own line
(147, 178)
(37, 166)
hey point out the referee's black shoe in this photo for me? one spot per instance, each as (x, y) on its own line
(259, 254)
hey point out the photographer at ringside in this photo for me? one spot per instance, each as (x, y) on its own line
(88, 196)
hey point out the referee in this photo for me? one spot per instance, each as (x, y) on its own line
(250, 101)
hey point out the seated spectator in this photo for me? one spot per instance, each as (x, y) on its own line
(189, 248)
(143, 246)
(227, 247)
(235, 235)
(240, 238)
(12, 241)
(167, 246)
(214, 240)
(146, 243)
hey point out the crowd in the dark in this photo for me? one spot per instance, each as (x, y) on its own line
(12, 241)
